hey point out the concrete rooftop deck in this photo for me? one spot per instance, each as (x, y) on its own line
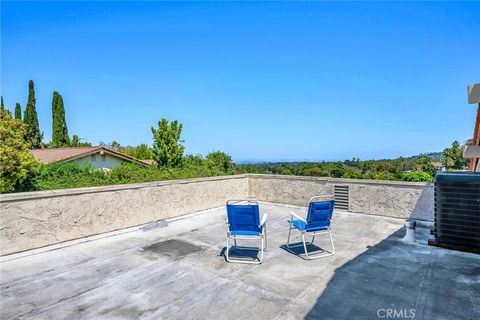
(145, 273)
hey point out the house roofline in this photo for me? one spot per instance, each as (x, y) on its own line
(107, 150)
(92, 150)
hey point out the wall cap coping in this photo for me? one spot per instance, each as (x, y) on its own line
(9, 197)
(342, 180)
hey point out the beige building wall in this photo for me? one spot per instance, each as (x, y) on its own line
(98, 161)
(291, 190)
(387, 198)
(36, 219)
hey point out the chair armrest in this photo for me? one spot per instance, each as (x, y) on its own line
(264, 219)
(297, 216)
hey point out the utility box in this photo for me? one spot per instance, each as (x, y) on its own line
(457, 210)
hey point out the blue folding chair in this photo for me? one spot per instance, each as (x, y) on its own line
(244, 223)
(319, 216)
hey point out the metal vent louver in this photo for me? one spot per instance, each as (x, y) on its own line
(341, 197)
(457, 209)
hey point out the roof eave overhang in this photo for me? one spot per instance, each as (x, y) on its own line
(471, 152)
(114, 154)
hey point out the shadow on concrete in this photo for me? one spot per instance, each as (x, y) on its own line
(297, 249)
(241, 253)
(395, 280)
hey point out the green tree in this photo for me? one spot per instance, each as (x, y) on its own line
(195, 161)
(75, 141)
(2, 106)
(60, 136)
(142, 152)
(30, 118)
(221, 160)
(115, 145)
(18, 111)
(16, 162)
(368, 166)
(425, 164)
(315, 171)
(85, 144)
(416, 176)
(167, 146)
(453, 157)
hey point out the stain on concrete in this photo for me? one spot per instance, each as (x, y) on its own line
(127, 312)
(174, 249)
(141, 280)
(81, 308)
(155, 225)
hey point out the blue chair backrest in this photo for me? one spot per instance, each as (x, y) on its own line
(243, 217)
(319, 214)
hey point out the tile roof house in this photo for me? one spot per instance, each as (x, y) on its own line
(438, 166)
(98, 157)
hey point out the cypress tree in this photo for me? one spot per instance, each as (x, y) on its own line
(18, 111)
(30, 118)
(60, 136)
(55, 136)
(2, 107)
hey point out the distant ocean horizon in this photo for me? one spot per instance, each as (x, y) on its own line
(277, 160)
(256, 161)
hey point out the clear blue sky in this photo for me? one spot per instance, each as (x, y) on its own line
(272, 80)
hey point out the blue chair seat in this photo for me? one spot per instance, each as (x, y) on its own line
(302, 226)
(244, 233)
(318, 219)
(243, 218)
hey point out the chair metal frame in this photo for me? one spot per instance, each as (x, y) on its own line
(328, 231)
(262, 236)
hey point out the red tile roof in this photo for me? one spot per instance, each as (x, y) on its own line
(64, 154)
(150, 162)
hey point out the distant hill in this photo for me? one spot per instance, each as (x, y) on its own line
(435, 156)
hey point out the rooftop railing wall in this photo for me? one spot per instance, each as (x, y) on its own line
(36, 219)
(396, 199)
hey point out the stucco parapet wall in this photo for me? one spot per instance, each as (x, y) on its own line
(408, 200)
(21, 196)
(77, 191)
(406, 184)
(35, 219)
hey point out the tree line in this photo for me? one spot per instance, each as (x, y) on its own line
(21, 172)
(418, 168)
(33, 135)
